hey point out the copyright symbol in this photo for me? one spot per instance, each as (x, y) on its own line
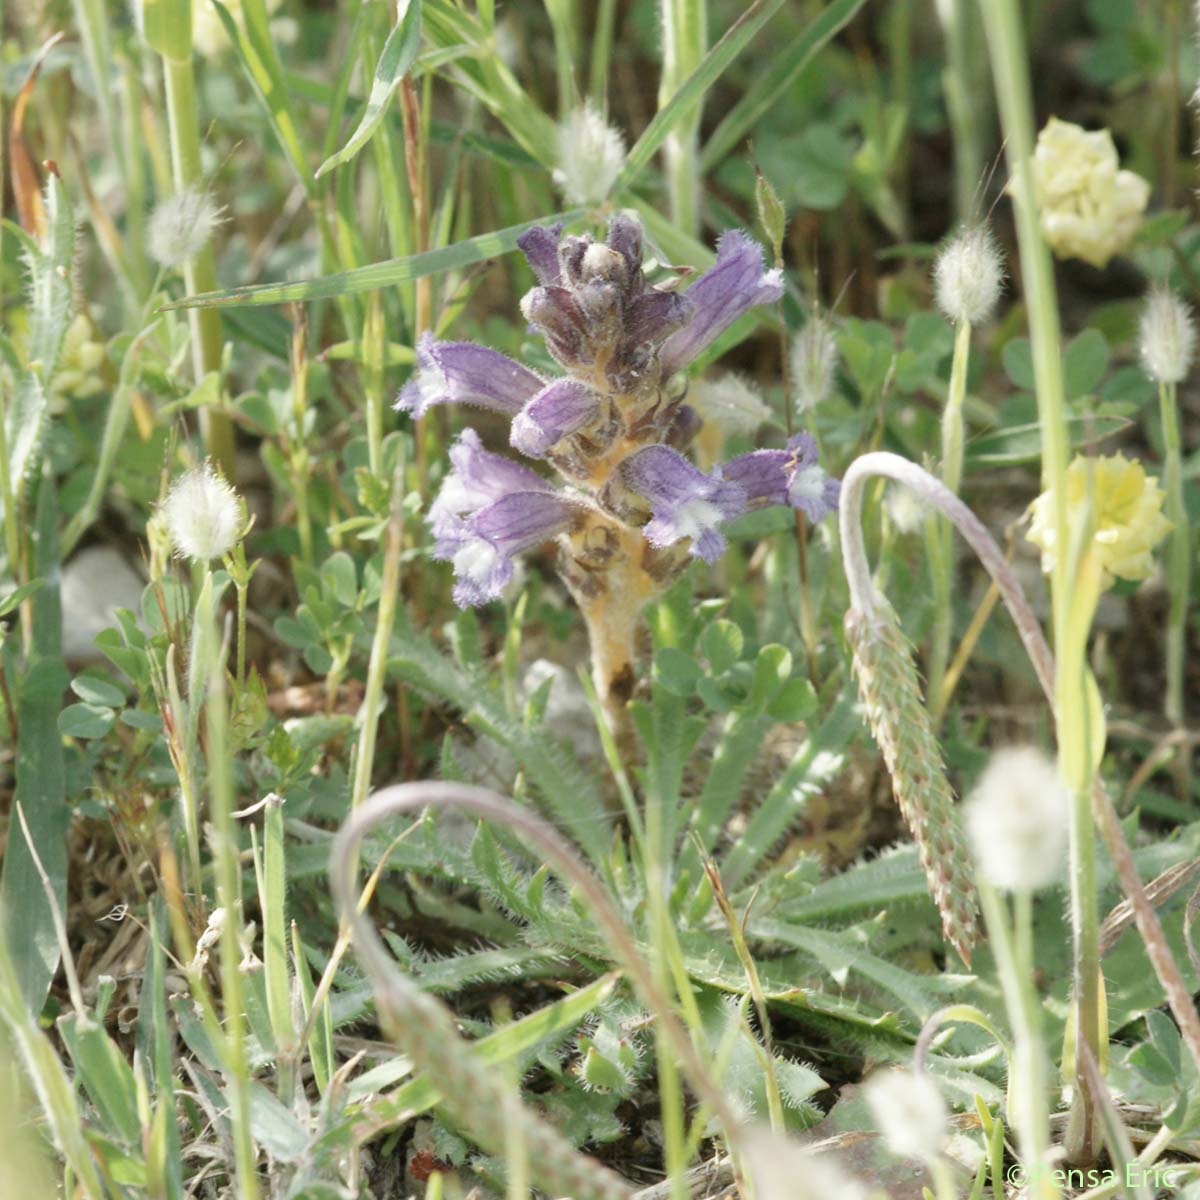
(1016, 1175)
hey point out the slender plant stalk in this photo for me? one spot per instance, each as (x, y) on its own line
(1029, 1114)
(1178, 554)
(228, 877)
(685, 40)
(960, 85)
(953, 439)
(200, 272)
(1002, 21)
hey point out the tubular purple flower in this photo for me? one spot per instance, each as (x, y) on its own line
(809, 489)
(540, 247)
(557, 411)
(684, 501)
(625, 237)
(479, 477)
(734, 285)
(463, 373)
(491, 538)
(554, 313)
(792, 477)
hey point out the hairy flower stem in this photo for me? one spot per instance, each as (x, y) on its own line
(200, 272)
(1178, 555)
(1002, 21)
(477, 1096)
(942, 542)
(892, 466)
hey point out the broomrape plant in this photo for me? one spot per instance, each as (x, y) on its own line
(631, 510)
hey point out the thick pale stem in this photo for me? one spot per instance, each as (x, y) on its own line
(612, 622)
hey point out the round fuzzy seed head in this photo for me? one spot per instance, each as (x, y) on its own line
(814, 360)
(1017, 820)
(968, 276)
(730, 403)
(181, 226)
(1167, 337)
(909, 1112)
(203, 515)
(591, 154)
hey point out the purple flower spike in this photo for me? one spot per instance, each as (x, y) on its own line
(479, 477)
(684, 501)
(491, 538)
(808, 487)
(463, 373)
(625, 236)
(557, 411)
(540, 247)
(735, 285)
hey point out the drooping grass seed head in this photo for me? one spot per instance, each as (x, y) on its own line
(181, 226)
(1126, 513)
(814, 362)
(969, 276)
(1167, 336)
(204, 515)
(591, 154)
(909, 1112)
(1017, 820)
(1090, 207)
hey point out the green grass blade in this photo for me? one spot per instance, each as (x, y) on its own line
(40, 781)
(256, 49)
(377, 275)
(680, 106)
(399, 53)
(782, 72)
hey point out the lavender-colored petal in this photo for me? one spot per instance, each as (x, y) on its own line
(684, 501)
(557, 411)
(463, 373)
(483, 558)
(654, 316)
(736, 284)
(625, 236)
(809, 489)
(764, 475)
(540, 247)
(478, 478)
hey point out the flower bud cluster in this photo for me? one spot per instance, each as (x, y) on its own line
(630, 509)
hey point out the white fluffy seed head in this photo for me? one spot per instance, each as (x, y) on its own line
(591, 154)
(814, 361)
(203, 514)
(1017, 820)
(1167, 336)
(969, 276)
(909, 1112)
(730, 403)
(181, 226)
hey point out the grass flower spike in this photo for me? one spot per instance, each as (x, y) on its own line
(814, 361)
(591, 154)
(204, 515)
(1127, 517)
(1167, 337)
(968, 276)
(181, 226)
(1017, 820)
(1090, 207)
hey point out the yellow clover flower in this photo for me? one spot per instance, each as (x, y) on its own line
(1126, 513)
(1090, 208)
